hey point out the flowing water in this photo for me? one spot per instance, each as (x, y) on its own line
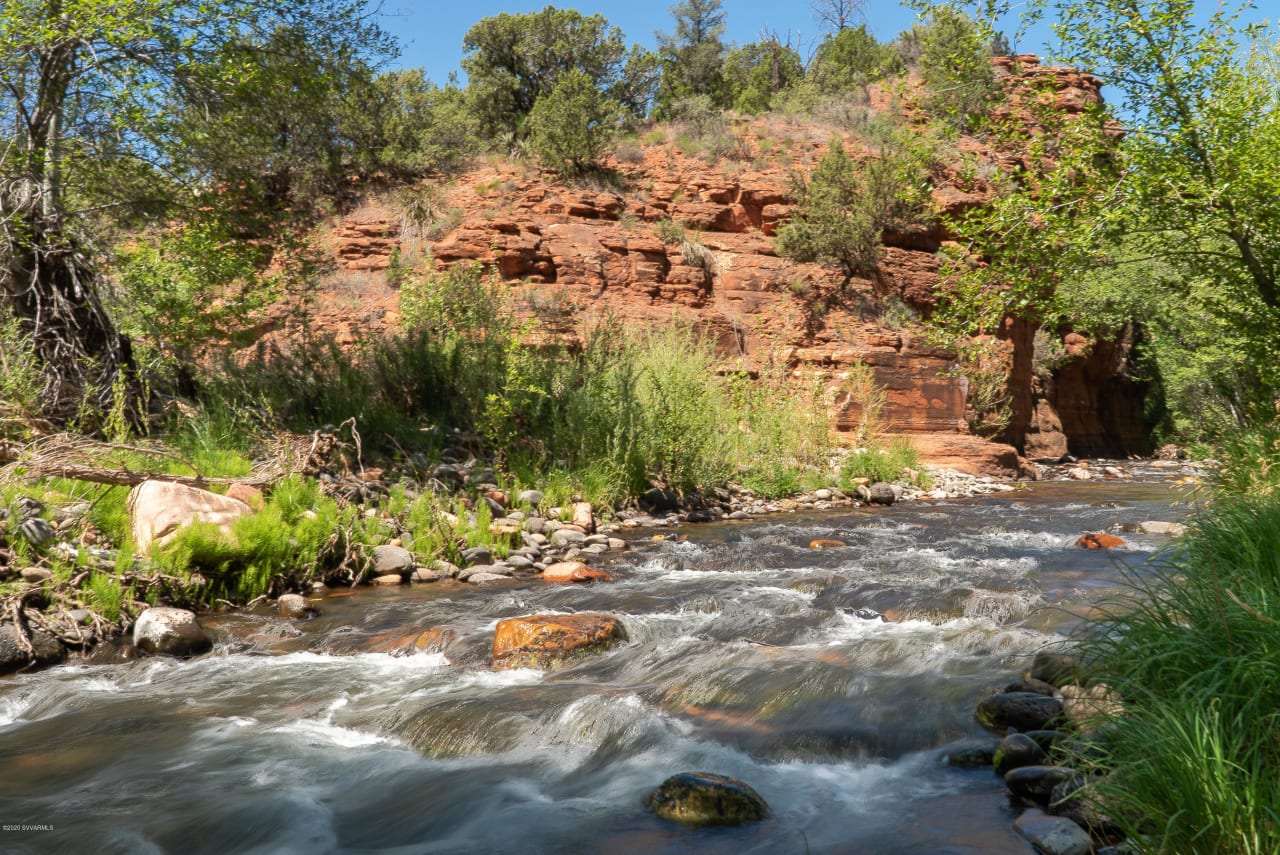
(746, 657)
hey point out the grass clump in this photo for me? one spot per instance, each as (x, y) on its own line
(896, 461)
(1194, 761)
(298, 533)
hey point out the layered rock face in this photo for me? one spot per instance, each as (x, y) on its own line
(573, 254)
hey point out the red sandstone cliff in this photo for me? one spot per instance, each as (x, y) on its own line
(574, 252)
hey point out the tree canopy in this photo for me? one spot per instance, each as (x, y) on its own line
(91, 88)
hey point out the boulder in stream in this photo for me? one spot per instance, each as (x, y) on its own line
(295, 606)
(1020, 710)
(1036, 783)
(1015, 751)
(574, 571)
(705, 798)
(168, 631)
(1099, 541)
(551, 641)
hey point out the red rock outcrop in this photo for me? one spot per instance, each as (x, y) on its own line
(572, 253)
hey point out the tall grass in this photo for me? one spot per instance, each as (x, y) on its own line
(627, 410)
(1195, 759)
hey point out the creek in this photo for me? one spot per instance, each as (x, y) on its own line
(746, 656)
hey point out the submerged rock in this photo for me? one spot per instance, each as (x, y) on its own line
(1020, 710)
(551, 641)
(295, 606)
(705, 798)
(172, 632)
(826, 544)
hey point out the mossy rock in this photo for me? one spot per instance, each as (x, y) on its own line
(704, 798)
(1022, 711)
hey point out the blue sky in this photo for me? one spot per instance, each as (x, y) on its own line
(431, 31)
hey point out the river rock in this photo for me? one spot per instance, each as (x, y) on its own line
(36, 575)
(1036, 783)
(36, 531)
(46, 650)
(387, 580)
(1054, 667)
(1170, 529)
(1020, 710)
(295, 606)
(469, 574)
(422, 574)
(971, 753)
(826, 544)
(1031, 684)
(1015, 751)
(1073, 799)
(445, 569)
(173, 632)
(159, 509)
(1090, 704)
(487, 576)
(530, 498)
(574, 571)
(567, 537)
(704, 798)
(882, 493)
(584, 516)
(1053, 835)
(551, 641)
(392, 559)
(477, 555)
(1099, 541)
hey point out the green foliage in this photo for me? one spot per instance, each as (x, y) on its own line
(850, 59)
(410, 127)
(844, 207)
(185, 288)
(291, 540)
(1169, 226)
(21, 381)
(1192, 762)
(755, 72)
(955, 64)
(693, 57)
(105, 595)
(895, 462)
(571, 126)
(512, 61)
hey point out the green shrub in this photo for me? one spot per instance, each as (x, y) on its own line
(843, 207)
(571, 126)
(955, 63)
(895, 462)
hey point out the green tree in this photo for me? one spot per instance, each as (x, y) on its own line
(844, 207)
(512, 60)
(1175, 225)
(754, 73)
(88, 92)
(570, 126)
(851, 58)
(955, 64)
(693, 56)
(412, 127)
